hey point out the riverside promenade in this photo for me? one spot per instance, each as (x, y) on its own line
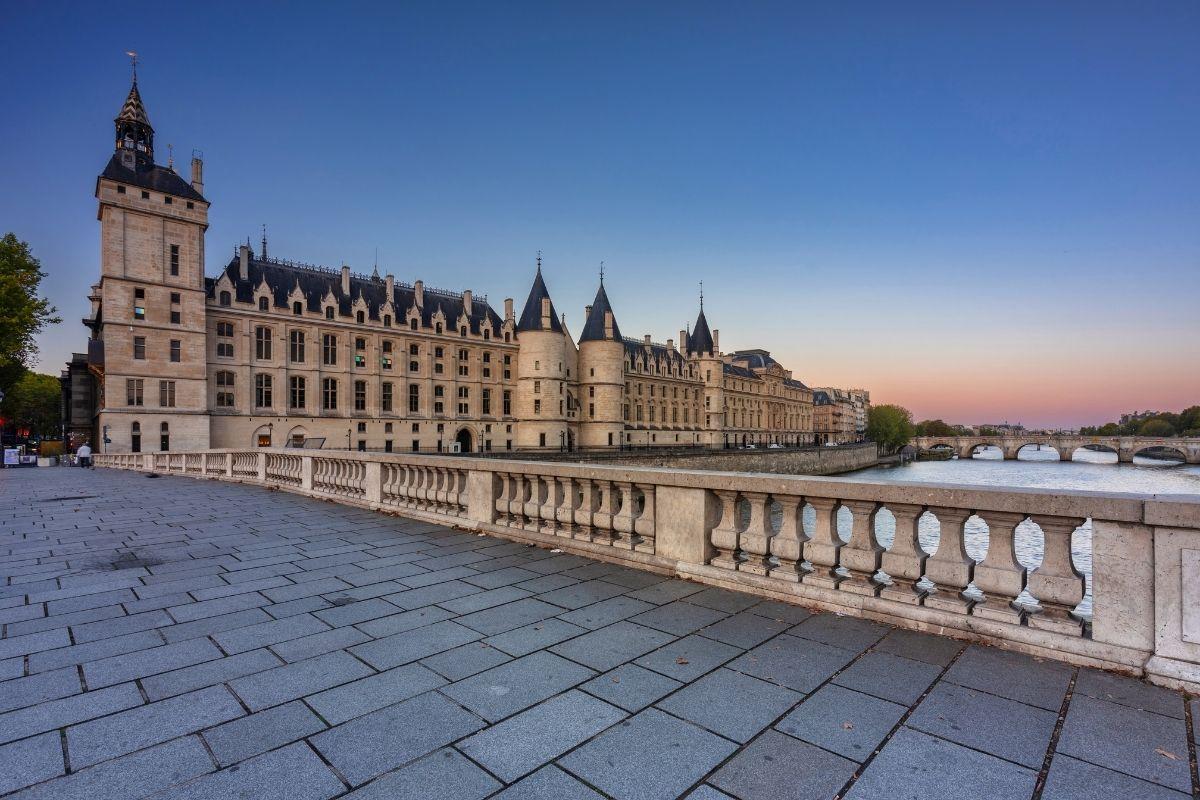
(181, 638)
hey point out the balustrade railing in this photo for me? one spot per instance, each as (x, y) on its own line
(1100, 579)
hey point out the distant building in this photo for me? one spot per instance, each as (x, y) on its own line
(273, 352)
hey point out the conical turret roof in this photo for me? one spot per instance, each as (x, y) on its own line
(531, 315)
(593, 327)
(701, 340)
(133, 110)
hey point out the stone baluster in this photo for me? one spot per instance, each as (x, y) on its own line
(623, 522)
(502, 514)
(1000, 576)
(564, 512)
(788, 544)
(861, 556)
(904, 562)
(602, 521)
(1056, 584)
(585, 509)
(517, 504)
(549, 507)
(725, 534)
(644, 525)
(755, 541)
(950, 567)
(824, 549)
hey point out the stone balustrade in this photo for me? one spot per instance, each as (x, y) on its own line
(819, 542)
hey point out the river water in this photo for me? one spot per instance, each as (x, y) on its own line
(1092, 471)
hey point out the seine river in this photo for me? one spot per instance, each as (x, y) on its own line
(1089, 470)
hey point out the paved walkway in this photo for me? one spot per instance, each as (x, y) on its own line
(177, 638)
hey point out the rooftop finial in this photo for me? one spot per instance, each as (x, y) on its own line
(170, 156)
(601, 273)
(539, 262)
(133, 62)
(701, 295)
(264, 248)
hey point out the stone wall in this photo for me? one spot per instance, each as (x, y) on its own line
(804, 461)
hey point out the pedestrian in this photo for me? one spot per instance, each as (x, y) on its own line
(84, 454)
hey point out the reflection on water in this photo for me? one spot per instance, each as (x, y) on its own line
(1091, 471)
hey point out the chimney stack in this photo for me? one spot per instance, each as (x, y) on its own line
(391, 289)
(587, 314)
(683, 342)
(647, 339)
(345, 280)
(244, 262)
(671, 345)
(467, 301)
(508, 308)
(419, 293)
(198, 173)
(716, 342)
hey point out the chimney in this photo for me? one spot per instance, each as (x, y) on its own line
(546, 323)
(587, 313)
(345, 280)
(198, 173)
(647, 339)
(508, 308)
(391, 289)
(419, 293)
(608, 325)
(244, 262)
(683, 342)
(716, 342)
(671, 345)
(467, 301)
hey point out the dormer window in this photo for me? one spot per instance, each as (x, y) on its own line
(297, 309)
(120, 189)
(387, 320)
(328, 312)
(437, 328)
(360, 317)
(487, 334)
(225, 299)
(263, 304)
(412, 323)
(463, 331)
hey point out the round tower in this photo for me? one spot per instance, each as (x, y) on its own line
(704, 352)
(601, 376)
(542, 364)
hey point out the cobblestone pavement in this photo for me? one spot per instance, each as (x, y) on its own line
(171, 637)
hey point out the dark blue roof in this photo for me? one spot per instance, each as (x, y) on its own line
(740, 371)
(531, 315)
(755, 359)
(593, 326)
(153, 177)
(701, 340)
(315, 283)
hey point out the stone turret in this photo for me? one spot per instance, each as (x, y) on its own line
(542, 371)
(601, 376)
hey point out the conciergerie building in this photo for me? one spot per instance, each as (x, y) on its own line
(271, 352)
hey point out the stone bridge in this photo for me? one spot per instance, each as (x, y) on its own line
(1126, 447)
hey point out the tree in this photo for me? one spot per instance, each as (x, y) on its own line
(23, 313)
(35, 403)
(935, 427)
(1156, 427)
(891, 427)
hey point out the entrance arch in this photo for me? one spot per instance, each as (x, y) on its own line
(464, 440)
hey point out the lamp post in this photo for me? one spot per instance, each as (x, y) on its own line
(348, 439)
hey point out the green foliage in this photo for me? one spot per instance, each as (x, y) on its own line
(891, 427)
(1156, 427)
(984, 430)
(22, 313)
(935, 427)
(35, 402)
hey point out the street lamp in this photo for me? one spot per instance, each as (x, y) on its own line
(348, 438)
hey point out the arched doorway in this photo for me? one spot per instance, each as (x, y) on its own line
(464, 440)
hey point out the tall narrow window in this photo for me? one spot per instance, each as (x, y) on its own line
(329, 349)
(487, 402)
(297, 308)
(296, 347)
(225, 299)
(175, 350)
(264, 304)
(133, 391)
(262, 343)
(329, 394)
(166, 394)
(164, 437)
(262, 390)
(139, 347)
(135, 437)
(360, 395)
(507, 400)
(385, 398)
(224, 389)
(296, 395)
(174, 259)
(225, 340)
(414, 399)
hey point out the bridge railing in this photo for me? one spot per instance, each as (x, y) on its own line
(1005, 566)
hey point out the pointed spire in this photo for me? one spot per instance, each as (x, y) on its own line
(700, 340)
(593, 326)
(264, 242)
(531, 315)
(135, 135)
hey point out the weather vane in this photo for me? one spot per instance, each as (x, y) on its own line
(133, 56)
(701, 295)
(601, 272)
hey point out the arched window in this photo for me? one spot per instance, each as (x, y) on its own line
(328, 312)
(507, 336)
(135, 437)
(225, 299)
(360, 317)
(487, 334)
(264, 304)
(297, 308)
(164, 437)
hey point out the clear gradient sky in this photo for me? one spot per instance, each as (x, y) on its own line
(979, 211)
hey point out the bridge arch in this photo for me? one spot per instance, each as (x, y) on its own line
(1045, 448)
(972, 449)
(1164, 454)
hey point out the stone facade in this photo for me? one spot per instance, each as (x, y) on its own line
(273, 352)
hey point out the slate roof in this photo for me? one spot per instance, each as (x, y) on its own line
(638, 348)
(740, 371)
(153, 177)
(821, 398)
(593, 326)
(531, 315)
(133, 110)
(701, 340)
(315, 283)
(755, 359)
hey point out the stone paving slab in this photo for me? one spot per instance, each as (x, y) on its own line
(176, 638)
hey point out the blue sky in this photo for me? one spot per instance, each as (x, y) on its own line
(981, 213)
